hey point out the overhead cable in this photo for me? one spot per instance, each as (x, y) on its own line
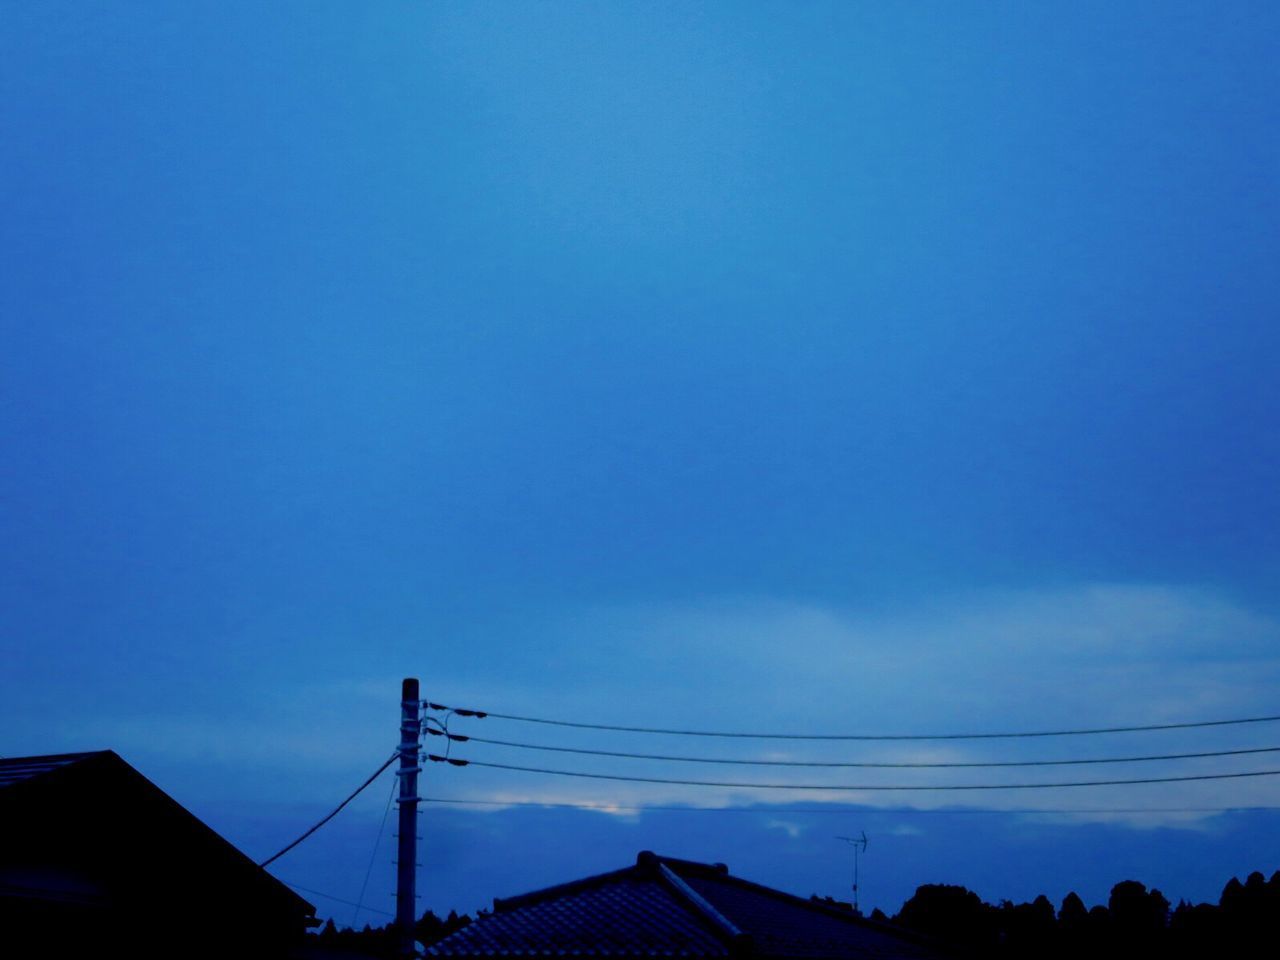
(461, 738)
(364, 887)
(1087, 731)
(327, 896)
(333, 813)
(852, 788)
(833, 810)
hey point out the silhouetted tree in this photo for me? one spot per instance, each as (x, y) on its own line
(431, 928)
(1073, 915)
(1029, 929)
(1248, 911)
(1195, 931)
(1138, 918)
(951, 914)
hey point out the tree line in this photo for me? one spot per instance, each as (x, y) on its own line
(385, 941)
(1133, 922)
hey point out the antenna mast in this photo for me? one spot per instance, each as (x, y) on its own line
(859, 844)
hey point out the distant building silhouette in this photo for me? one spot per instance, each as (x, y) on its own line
(93, 855)
(675, 908)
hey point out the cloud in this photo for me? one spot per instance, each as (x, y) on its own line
(791, 829)
(1090, 656)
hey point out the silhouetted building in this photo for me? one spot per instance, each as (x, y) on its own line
(94, 855)
(663, 907)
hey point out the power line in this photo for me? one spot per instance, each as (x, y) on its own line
(832, 810)
(334, 812)
(327, 896)
(374, 855)
(457, 737)
(846, 787)
(1142, 728)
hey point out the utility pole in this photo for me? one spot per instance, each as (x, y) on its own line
(407, 853)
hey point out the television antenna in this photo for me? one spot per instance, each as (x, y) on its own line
(859, 844)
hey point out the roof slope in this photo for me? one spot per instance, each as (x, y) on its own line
(155, 850)
(17, 769)
(663, 907)
(781, 925)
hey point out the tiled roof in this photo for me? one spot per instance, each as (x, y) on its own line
(781, 925)
(663, 907)
(621, 917)
(16, 769)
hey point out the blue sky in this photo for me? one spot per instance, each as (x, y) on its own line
(823, 366)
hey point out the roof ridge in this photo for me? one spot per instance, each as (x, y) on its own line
(740, 941)
(647, 858)
(797, 900)
(645, 862)
(830, 910)
(503, 904)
